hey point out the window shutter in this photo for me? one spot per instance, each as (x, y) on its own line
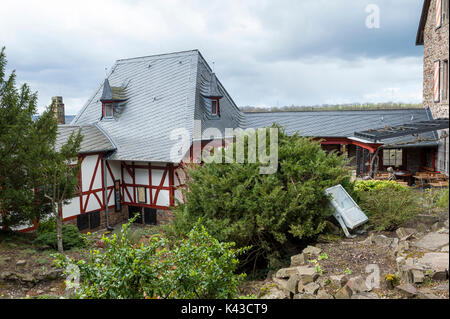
(438, 13)
(436, 81)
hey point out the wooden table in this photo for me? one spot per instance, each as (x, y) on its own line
(405, 175)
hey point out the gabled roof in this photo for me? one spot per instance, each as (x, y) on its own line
(423, 22)
(340, 123)
(94, 140)
(163, 94)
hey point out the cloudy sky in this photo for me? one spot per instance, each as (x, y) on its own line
(266, 53)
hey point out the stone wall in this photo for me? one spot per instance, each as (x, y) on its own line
(435, 48)
(436, 43)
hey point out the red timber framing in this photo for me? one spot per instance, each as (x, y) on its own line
(371, 147)
(92, 194)
(154, 190)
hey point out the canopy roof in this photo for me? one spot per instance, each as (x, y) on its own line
(403, 130)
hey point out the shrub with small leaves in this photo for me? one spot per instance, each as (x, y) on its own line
(388, 206)
(198, 266)
(47, 235)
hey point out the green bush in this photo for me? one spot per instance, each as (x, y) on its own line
(362, 185)
(198, 267)
(47, 235)
(268, 212)
(387, 205)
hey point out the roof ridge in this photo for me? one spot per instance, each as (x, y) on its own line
(157, 55)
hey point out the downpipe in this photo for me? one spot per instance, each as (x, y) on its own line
(105, 196)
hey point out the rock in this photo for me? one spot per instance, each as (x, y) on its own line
(21, 262)
(338, 280)
(286, 272)
(422, 295)
(311, 288)
(394, 244)
(417, 276)
(427, 219)
(53, 274)
(381, 240)
(407, 289)
(292, 284)
(282, 284)
(307, 274)
(311, 250)
(274, 294)
(365, 295)
(299, 260)
(405, 233)
(432, 241)
(357, 284)
(54, 289)
(402, 246)
(343, 293)
(367, 241)
(40, 292)
(6, 275)
(438, 262)
(322, 294)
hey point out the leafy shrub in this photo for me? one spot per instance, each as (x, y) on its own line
(47, 235)
(198, 267)
(443, 198)
(387, 205)
(268, 212)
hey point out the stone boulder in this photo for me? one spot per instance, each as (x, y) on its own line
(312, 250)
(299, 260)
(407, 289)
(432, 241)
(438, 262)
(344, 293)
(357, 284)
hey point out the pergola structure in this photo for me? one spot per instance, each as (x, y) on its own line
(376, 135)
(403, 130)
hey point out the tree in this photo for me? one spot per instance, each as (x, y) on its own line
(59, 177)
(268, 212)
(22, 143)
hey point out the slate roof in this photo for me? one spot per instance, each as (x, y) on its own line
(162, 94)
(170, 91)
(342, 123)
(94, 140)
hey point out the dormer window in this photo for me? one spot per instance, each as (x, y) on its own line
(213, 94)
(110, 97)
(108, 110)
(215, 107)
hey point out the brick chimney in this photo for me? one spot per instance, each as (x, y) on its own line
(59, 109)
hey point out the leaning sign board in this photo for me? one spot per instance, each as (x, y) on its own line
(346, 211)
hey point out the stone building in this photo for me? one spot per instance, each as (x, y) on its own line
(433, 34)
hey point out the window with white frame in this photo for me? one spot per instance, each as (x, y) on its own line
(393, 157)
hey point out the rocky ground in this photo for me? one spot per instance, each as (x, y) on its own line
(409, 263)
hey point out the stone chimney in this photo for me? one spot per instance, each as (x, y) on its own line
(59, 109)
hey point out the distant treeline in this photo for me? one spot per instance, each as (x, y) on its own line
(336, 107)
